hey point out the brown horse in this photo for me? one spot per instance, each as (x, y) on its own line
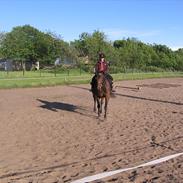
(101, 90)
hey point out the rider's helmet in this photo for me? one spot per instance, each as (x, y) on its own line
(101, 55)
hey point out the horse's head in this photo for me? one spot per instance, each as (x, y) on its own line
(100, 81)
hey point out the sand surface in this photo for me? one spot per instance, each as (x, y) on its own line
(52, 135)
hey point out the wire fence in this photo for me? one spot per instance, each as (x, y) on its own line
(48, 71)
(68, 71)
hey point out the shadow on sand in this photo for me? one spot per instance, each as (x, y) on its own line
(148, 99)
(55, 106)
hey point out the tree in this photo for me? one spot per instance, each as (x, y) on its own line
(179, 59)
(89, 45)
(26, 43)
(2, 37)
(22, 43)
(167, 58)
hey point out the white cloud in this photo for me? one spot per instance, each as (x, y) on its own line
(119, 33)
(174, 48)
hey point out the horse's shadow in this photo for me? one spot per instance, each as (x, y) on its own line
(55, 106)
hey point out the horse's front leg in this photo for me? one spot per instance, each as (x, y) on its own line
(105, 107)
(101, 103)
(98, 106)
(94, 106)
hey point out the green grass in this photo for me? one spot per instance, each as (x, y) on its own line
(43, 81)
(146, 75)
(33, 79)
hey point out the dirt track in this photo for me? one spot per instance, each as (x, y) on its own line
(52, 135)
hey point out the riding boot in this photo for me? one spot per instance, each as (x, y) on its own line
(112, 88)
(91, 87)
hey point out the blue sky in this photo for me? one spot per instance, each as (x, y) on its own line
(151, 21)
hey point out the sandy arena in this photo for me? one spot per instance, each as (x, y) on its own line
(52, 135)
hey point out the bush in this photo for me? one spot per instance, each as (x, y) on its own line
(152, 69)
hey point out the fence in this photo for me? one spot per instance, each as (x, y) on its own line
(63, 71)
(48, 71)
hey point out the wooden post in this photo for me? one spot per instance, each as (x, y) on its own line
(55, 71)
(80, 70)
(23, 69)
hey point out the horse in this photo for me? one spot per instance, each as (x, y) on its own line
(101, 90)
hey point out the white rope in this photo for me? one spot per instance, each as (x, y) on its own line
(107, 174)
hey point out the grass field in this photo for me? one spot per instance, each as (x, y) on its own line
(38, 79)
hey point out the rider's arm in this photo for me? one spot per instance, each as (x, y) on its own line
(94, 70)
(107, 67)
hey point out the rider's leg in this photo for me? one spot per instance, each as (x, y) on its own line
(110, 78)
(112, 84)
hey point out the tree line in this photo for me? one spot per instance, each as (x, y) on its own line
(26, 43)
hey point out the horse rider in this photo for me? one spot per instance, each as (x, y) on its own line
(102, 67)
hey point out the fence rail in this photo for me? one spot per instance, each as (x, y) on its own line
(52, 71)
